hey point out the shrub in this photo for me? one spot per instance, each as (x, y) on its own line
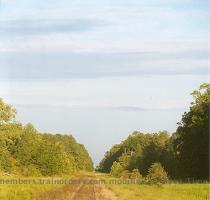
(135, 174)
(116, 169)
(157, 174)
(7, 163)
(33, 171)
(125, 174)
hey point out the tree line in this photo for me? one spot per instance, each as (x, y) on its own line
(25, 151)
(184, 154)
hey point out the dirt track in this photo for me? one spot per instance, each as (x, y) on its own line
(81, 191)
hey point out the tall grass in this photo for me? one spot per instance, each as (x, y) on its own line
(23, 191)
(170, 191)
(165, 192)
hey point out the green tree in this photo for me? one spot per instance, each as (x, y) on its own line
(139, 151)
(24, 150)
(7, 163)
(191, 143)
(125, 160)
(82, 160)
(7, 112)
(110, 157)
(157, 174)
(53, 160)
(155, 151)
(116, 169)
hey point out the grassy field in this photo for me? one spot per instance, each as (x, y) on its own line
(24, 191)
(163, 192)
(122, 191)
(166, 192)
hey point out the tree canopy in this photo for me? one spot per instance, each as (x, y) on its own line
(191, 143)
(184, 154)
(23, 150)
(7, 112)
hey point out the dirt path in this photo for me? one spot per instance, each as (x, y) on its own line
(102, 192)
(85, 190)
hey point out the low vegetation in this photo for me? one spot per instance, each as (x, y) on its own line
(23, 191)
(157, 174)
(165, 192)
(133, 190)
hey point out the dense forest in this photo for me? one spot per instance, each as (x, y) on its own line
(184, 154)
(25, 151)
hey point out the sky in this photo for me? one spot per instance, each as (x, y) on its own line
(100, 70)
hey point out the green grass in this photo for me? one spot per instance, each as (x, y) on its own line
(30, 191)
(123, 191)
(166, 192)
(163, 192)
(23, 191)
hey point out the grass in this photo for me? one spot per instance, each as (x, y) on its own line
(24, 191)
(123, 191)
(31, 191)
(164, 192)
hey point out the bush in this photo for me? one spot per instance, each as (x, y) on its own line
(135, 174)
(33, 171)
(7, 163)
(157, 174)
(116, 169)
(1, 171)
(125, 174)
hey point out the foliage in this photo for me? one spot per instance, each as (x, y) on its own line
(135, 174)
(191, 140)
(116, 169)
(7, 162)
(139, 151)
(125, 174)
(109, 158)
(7, 112)
(80, 156)
(23, 150)
(31, 170)
(157, 174)
(184, 154)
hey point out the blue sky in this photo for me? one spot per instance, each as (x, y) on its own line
(102, 69)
